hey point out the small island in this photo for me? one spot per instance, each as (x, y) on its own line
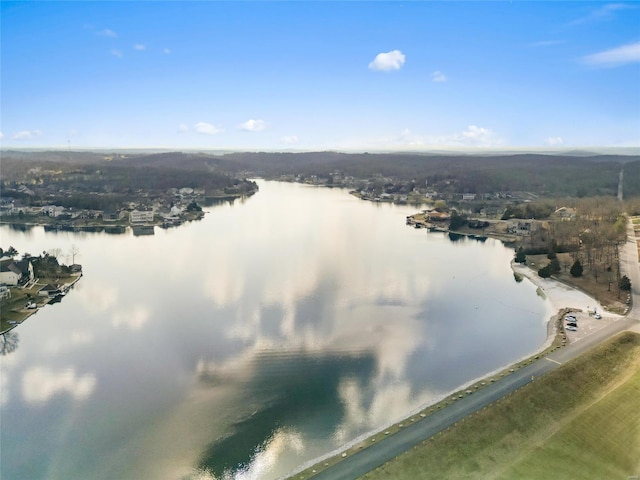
(32, 282)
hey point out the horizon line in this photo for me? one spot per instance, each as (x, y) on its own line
(628, 150)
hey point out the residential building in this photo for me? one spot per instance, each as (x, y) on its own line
(141, 216)
(52, 211)
(12, 272)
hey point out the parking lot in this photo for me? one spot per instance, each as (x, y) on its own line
(588, 323)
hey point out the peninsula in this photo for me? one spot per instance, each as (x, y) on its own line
(31, 283)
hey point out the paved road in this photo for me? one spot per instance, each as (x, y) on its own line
(387, 448)
(630, 267)
(620, 183)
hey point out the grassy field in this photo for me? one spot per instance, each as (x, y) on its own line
(579, 421)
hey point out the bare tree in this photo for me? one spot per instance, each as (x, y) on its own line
(74, 251)
(9, 343)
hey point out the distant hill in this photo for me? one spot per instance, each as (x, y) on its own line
(575, 173)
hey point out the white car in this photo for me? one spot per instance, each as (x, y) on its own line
(573, 329)
(597, 316)
(31, 306)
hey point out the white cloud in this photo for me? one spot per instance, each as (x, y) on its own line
(289, 139)
(63, 342)
(133, 319)
(116, 53)
(207, 128)
(1, 135)
(473, 136)
(615, 57)
(438, 76)
(477, 136)
(139, 46)
(554, 141)
(407, 137)
(252, 125)
(183, 128)
(26, 134)
(107, 33)
(606, 12)
(166, 51)
(39, 384)
(388, 61)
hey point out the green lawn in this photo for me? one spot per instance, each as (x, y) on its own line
(579, 421)
(13, 309)
(601, 442)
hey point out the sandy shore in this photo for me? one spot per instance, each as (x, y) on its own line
(558, 294)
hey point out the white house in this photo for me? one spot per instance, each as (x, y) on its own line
(11, 271)
(52, 210)
(141, 216)
(522, 227)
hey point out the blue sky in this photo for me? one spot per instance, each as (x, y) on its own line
(320, 75)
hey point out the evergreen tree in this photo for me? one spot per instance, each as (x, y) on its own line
(520, 256)
(457, 220)
(545, 272)
(625, 283)
(576, 269)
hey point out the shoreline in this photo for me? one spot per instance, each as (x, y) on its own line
(30, 313)
(555, 292)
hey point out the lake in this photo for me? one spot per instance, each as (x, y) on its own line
(243, 345)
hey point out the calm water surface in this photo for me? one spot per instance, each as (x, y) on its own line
(243, 345)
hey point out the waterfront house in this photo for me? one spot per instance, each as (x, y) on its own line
(141, 216)
(112, 216)
(14, 273)
(436, 216)
(52, 211)
(522, 228)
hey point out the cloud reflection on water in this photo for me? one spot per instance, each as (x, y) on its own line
(262, 336)
(40, 384)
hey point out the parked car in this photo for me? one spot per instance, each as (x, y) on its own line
(573, 329)
(597, 316)
(572, 324)
(31, 305)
